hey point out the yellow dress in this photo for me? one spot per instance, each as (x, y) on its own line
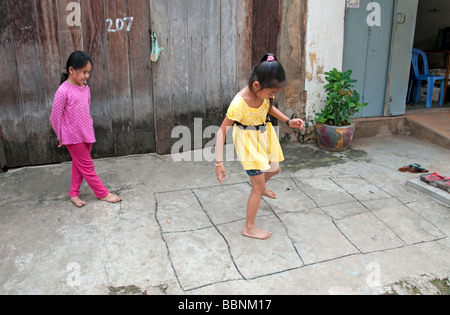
(255, 149)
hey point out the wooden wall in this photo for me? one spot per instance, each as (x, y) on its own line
(136, 104)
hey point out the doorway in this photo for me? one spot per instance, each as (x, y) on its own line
(431, 25)
(377, 48)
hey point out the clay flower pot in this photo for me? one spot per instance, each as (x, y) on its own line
(333, 138)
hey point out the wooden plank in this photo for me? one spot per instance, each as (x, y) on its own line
(244, 41)
(266, 28)
(11, 116)
(49, 45)
(196, 69)
(228, 62)
(178, 80)
(70, 36)
(94, 42)
(141, 76)
(164, 113)
(196, 57)
(179, 61)
(122, 112)
(212, 64)
(52, 60)
(2, 152)
(32, 95)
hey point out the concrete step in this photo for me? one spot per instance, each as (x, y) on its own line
(436, 193)
(431, 126)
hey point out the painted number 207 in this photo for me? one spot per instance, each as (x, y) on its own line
(120, 24)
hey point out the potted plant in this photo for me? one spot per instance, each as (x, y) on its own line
(334, 128)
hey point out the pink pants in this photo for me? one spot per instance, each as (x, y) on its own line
(83, 168)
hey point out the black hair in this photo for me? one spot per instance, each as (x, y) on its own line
(269, 73)
(77, 60)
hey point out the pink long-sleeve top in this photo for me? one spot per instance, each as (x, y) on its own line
(71, 118)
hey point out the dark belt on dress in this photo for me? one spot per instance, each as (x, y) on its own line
(261, 128)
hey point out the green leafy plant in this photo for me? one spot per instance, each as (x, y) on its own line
(342, 102)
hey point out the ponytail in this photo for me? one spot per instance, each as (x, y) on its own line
(64, 77)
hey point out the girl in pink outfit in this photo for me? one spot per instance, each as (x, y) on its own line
(73, 125)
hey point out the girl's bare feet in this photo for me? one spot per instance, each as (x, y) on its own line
(111, 198)
(270, 194)
(78, 202)
(256, 233)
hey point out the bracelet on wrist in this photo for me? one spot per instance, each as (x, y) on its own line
(220, 164)
(287, 122)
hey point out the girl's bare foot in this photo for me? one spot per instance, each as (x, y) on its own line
(111, 198)
(270, 194)
(256, 233)
(78, 202)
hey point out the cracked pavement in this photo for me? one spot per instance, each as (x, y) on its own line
(348, 224)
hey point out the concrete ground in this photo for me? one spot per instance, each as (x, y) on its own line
(344, 223)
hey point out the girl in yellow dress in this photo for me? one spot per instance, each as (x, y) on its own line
(255, 139)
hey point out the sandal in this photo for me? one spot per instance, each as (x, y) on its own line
(445, 185)
(436, 177)
(413, 168)
(405, 169)
(435, 180)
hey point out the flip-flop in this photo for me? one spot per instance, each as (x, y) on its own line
(445, 185)
(405, 169)
(418, 170)
(436, 177)
(413, 168)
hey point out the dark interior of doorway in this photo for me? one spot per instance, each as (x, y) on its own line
(432, 18)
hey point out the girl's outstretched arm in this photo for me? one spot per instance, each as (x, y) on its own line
(220, 141)
(293, 123)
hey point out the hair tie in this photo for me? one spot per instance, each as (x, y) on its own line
(270, 58)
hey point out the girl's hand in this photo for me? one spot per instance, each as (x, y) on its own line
(220, 173)
(297, 123)
(59, 144)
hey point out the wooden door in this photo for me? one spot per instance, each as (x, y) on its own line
(25, 128)
(117, 37)
(266, 28)
(136, 104)
(37, 37)
(206, 58)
